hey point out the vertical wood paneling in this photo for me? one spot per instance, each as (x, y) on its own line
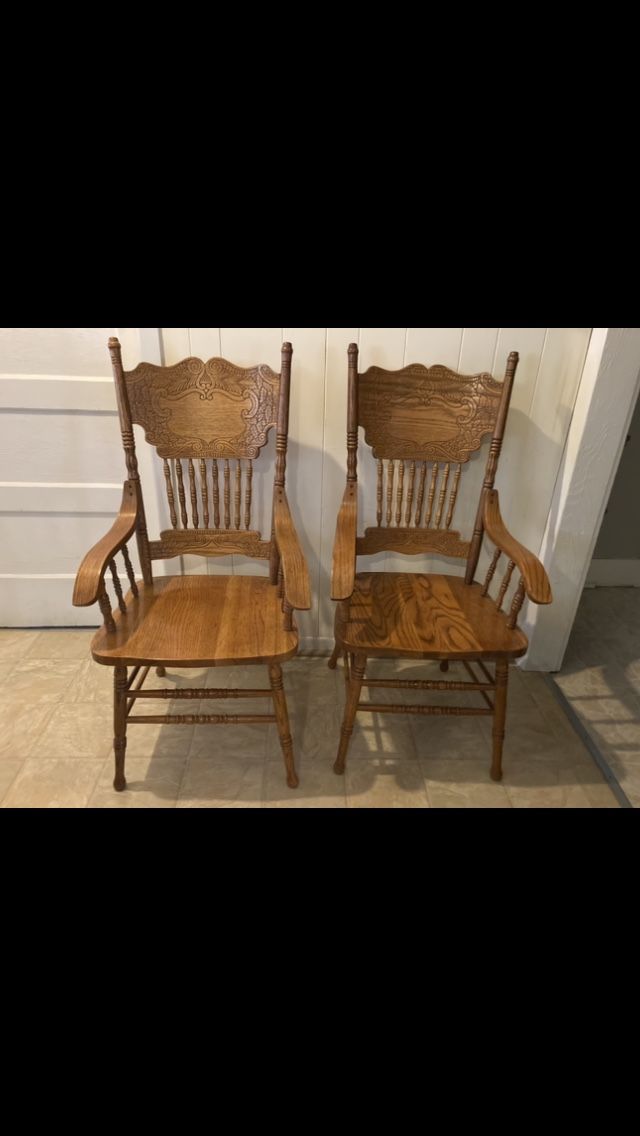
(478, 349)
(541, 435)
(205, 342)
(176, 344)
(382, 347)
(248, 345)
(529, 343)
(431, 345)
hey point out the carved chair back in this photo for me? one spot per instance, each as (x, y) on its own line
(423, 426)
(208, 422)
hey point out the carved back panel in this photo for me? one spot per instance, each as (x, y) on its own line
(424, 425)
(204, 410)
(427, 414)
(208, 422)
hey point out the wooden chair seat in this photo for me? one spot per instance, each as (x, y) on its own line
(198, 621)
(425, 617)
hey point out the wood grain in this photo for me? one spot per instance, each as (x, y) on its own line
(197, 412)
(203, 542)
(297, 589)
(204, 409)
(536, 581)
(427, 414)
(93, 567)
(413, 542)
(344, 549)
(199, 621)
(394, 614)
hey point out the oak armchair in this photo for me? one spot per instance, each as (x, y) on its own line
(423, 426)
(208, 423)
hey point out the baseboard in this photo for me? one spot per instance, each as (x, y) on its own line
(321, 647)
(614, 574)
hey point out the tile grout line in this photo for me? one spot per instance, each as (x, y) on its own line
(584, 735)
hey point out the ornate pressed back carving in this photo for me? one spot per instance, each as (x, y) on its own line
(427, 414)
(423, 425)
(204, 410)
(208, 422)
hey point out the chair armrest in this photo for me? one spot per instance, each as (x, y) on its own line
(534, 576)
(297, 589)
(93, 567)
(343, 579)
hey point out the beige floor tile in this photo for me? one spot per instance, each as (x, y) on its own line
(234, 784)
(152, 783)
(38, 680)
(462, 784)
(14, 644)
(385, 783)
(161, 741)
(5, 671)
(81, 730)
(450, 738)
(94, 683)
(225, 743)
(61, 645)
(8, 772)
(49, 783)
(21, 727)
(319, 787)
(315, 731)
(532, 784)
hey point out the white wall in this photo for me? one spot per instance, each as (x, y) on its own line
(73, 476)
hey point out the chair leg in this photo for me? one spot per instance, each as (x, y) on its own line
(354, 690)
(499, 718)
(282, 716)
(161, 672)
(120, 725)
(337, 651)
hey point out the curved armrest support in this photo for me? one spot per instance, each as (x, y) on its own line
(94, 565)
(343, 579)
(535, 578)
(297, 589)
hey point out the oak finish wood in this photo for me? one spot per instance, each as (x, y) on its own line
(396, 614)
(423, 426)
(91, 572)
(535, 578)
(198, 414)
(344, 549)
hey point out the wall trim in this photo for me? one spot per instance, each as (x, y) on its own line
(604, 408)
(614, 574)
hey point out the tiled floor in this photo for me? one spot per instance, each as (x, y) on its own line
(601, 679)
(56, 736)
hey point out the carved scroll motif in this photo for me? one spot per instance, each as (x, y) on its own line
(427, 414)
(198, 409)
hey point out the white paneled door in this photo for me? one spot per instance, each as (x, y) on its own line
(61, 465)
